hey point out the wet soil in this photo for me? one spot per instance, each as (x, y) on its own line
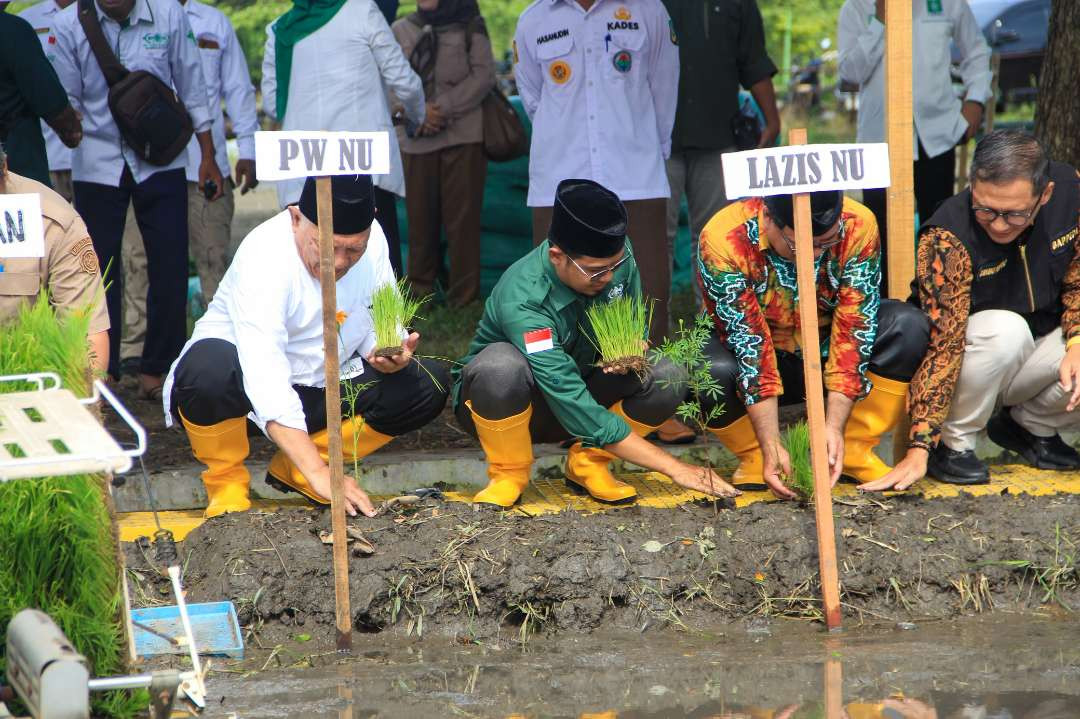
(948, 669)
(452, 571)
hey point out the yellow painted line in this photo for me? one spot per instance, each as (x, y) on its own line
(550, 496)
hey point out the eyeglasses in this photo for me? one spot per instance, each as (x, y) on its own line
(590, 276)
(836, 239)
(1015, 218)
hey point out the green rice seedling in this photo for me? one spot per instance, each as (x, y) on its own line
(797, 442)
(619, 329)
(57, 547)
(393, 310)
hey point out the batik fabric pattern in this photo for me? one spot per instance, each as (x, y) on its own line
(752, 296)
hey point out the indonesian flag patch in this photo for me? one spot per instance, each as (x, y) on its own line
(538, 341)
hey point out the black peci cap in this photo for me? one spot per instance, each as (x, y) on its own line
(588, 219)
(825, 208)
(354, 203)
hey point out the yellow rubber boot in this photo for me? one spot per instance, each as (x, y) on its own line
(740, 439)
(587, 467)
(507, 445)
(222, 447)
(358, 440)
(872, 416)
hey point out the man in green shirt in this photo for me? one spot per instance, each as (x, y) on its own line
(29, 90)
(531, 376)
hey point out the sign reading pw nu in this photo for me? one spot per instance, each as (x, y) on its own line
(285, 155)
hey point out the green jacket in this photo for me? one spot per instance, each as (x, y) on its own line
(528, 297)
(29, 89)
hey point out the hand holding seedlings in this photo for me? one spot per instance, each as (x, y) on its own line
(388, 364)
(777, 466)
(618, 328)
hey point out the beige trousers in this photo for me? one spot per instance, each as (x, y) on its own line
(209, 242)
(1003, 362)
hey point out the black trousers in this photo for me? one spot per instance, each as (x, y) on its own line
(935, 182)
(386, 214)
(208, 387)
(499, 383)
(161, 207)
(903, 333)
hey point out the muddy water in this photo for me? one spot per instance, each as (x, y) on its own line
(1005, 668)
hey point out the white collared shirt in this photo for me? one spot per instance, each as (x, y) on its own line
(270, 307)
(340, 75)
(42, 16)
(935, 24)
(226, 73)
(158, 39)
(601, 88)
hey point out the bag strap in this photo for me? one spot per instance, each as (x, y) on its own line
(108, 62)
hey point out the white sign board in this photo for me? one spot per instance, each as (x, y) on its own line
(22, 232)
(303, 153)
(805, 168)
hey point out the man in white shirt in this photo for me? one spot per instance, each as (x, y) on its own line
(42, 15)
(209, 223)
(941, 119)
(257, 354)
(328, 66)
(107, 174)
(600, 81)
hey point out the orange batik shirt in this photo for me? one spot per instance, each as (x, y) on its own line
(751, 294)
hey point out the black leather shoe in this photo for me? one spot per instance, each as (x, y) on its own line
(1041, 452)
(948, 465)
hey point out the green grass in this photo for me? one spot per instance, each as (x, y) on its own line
(619, 328)
(393, 310)
(797, 441)
(57, 550)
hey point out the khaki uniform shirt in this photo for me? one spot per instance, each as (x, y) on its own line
(69, 269)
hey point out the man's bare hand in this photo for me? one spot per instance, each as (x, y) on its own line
(834, 450)
(209, 172)
(356, 499)
(1069, 376)
(907, 472)
(704, 480)
(973, 115)
(389, 365)
(245, 176)
(68, 126)
(777, 467)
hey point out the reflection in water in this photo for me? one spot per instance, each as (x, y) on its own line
(1001, 669)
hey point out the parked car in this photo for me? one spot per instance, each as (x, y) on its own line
(1016, 30)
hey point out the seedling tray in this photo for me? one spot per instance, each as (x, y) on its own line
(213, 624)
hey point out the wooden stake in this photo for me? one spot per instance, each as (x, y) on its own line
(900, 133)
(324, 201)
(833, 681)
(815, 400)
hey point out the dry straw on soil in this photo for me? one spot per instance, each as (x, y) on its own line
(57, 548)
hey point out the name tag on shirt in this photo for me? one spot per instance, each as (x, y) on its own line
(22, 233)
(538, 341)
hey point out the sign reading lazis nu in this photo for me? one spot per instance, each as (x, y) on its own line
(805, 168)
(303, 153)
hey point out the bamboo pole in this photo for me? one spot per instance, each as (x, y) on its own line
(900, 133)
(324, 201)
(815, 401)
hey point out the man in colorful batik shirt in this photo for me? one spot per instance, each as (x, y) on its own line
(870, 348)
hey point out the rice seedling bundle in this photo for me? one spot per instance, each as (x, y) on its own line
(58, 550)
(619, 328)
(393, 310)
(797, 441)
